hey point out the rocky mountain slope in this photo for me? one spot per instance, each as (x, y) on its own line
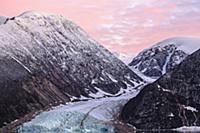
(2, 20)
(47, 60)
(170, 102)
(152, 63)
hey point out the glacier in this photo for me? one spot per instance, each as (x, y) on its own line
(92, 116)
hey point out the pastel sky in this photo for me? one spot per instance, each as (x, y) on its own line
(124, 26)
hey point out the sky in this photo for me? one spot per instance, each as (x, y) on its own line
(123, 26)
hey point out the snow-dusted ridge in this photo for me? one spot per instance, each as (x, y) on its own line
(2, 20)
(187, 44)
(162, 57)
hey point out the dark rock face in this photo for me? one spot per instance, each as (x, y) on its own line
(171, 102)
(185, 78)
(46, 59)
(156, 108)
(23, 93)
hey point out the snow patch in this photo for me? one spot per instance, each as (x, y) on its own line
(171, 115)
(188, 129)
(111, 77)
(191, 108)
(145, 78)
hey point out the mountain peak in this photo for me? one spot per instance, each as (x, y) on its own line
(42, 19)
(163, 56)
(37, 13)
(186, 44)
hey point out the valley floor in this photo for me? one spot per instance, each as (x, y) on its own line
(92, 116)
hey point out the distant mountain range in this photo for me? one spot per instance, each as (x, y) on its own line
(124, 57)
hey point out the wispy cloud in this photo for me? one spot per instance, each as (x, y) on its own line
(126, 26)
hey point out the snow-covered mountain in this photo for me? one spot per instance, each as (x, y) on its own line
(126, 58)
(152, 63)
(47, 60)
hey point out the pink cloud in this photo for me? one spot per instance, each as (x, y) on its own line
(126, 26)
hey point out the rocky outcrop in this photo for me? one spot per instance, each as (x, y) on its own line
(46, 59)
(170, 102)
(185, 78)
(157, 108)
(2, 20)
